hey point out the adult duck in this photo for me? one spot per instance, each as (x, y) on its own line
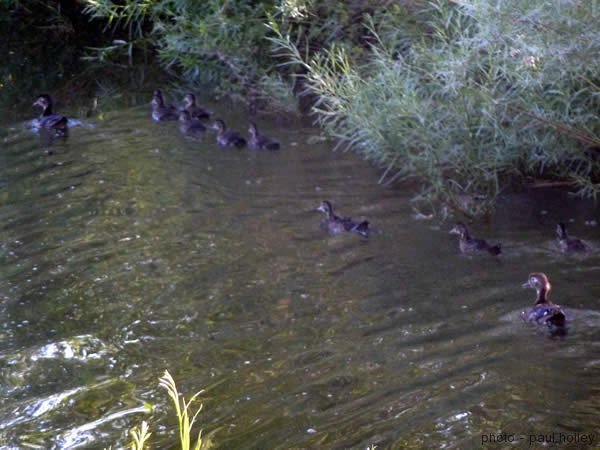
(227, 138)
(544, 311)
(48, 120)
(195, 111)
(467, 244)
(338, 224)
(259, 141)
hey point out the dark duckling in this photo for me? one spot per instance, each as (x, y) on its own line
(227, 138)
(569, 244)
(189, 125)
(160, 111)
(468, 244)
(544, 311)
(259, 141)
(196, 112)
(336, 224)
(49, 121)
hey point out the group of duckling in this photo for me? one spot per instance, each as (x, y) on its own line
(192, 119)
(192, 122)
(544, 310)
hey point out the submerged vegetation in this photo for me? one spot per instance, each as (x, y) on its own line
(463, 98)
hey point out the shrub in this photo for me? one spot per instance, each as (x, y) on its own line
(485, 93)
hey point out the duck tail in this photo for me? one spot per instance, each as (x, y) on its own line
(557, 319)
(362, 228)
(61, 128)
(496, 249)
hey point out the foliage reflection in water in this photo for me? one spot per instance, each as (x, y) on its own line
(128, 249)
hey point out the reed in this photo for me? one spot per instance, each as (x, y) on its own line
(140, 434)
(186, 418)
(184, 412)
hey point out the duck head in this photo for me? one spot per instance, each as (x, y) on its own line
(561, 231)
(539, 282)
(184, 116)
(252, 130)
(43, 100)
(325, 207)
(219, 125)
(189, 100)
(157, 101)
(460, 229)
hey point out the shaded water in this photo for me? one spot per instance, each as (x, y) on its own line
(129, 249)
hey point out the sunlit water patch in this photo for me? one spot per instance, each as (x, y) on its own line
(128, 249)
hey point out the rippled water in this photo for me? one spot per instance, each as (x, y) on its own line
(128, 249)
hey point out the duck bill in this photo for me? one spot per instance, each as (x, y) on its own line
(454, 231)
(526, 285)
(321, 208)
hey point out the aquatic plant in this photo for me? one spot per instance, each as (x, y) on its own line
(140, 434)
(183, 413)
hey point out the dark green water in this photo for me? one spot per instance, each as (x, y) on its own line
(129, 250)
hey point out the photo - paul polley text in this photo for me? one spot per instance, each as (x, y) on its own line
(540, 438)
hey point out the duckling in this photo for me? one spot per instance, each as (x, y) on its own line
(569, 244)
(227, 138)
(49, 121)
(467, 244)
(259, 141)
(160, 111)
(544, 311)
(336, 224)
(196, 112)
(190, 126)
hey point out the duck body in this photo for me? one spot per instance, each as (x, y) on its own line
(569, 244)
(259, 141)
(190, 126)
(337, 224)
(550, 314)
(227, 138)
(467, 244)
(49, 121)
(544, 311)
(195, 111)
(160, 110)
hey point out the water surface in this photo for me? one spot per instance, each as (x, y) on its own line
(128, 249)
